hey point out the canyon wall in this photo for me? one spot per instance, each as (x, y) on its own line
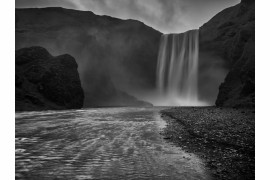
(231, 35)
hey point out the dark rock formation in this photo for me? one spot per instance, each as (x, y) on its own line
(125, 50)
(44, 82)
(231, 35)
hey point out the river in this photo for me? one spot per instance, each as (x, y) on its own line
(101, 143)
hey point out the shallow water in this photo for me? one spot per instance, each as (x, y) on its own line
(104, 143)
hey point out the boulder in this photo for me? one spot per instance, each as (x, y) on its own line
(45, 82)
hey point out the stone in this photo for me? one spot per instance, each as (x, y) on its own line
(45, 82)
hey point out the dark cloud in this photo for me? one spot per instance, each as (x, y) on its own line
(167, 16)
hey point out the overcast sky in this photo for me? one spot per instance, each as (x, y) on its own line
(167, 16)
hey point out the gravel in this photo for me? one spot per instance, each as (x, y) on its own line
(223, 137)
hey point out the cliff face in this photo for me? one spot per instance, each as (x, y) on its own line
(231, 35)
(44, 82)
(125, 51)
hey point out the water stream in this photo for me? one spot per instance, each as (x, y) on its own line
(104, 143)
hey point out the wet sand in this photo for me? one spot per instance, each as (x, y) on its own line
(223, 137)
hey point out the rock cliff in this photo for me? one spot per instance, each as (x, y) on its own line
(123, 50)
(45, 82)
(231, 35)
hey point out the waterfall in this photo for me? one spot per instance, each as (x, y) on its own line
(177, 69)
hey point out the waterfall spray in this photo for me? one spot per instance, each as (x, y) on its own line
(177, 69)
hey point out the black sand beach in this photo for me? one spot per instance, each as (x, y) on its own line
(223, 137)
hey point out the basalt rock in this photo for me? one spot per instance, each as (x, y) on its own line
(45, 82)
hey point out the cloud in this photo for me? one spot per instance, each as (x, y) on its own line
(167, 16)
(159, 14)
(44, 3)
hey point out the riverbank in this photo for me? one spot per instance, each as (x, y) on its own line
(223, 137)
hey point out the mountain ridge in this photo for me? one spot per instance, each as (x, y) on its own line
(124, 50)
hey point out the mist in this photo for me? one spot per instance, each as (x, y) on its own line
(212, 71)
(112, 54)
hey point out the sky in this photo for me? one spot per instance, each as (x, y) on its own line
(167, 16)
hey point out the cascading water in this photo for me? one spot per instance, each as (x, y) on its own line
(177, 69)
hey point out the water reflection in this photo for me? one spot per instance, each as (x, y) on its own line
(105, 143)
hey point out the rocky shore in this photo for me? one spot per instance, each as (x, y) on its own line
(223, 137)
